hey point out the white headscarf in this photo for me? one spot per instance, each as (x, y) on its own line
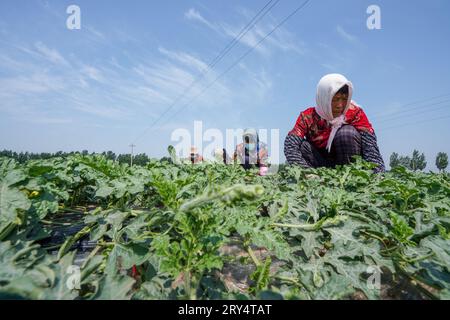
(326, 89)
(251, 133)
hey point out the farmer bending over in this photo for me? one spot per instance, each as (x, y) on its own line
(333, 131)
(194, 156)
(252, 152)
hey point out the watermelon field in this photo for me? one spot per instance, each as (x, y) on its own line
(84, 227)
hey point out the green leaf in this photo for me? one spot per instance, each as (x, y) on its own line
(115, 288)
(310, 244)
(337, 287)
(11, 199)
(104, 191)
(61, 290)
(45, 204)
(125, 256)
(440, 247)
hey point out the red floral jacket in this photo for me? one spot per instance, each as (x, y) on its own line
(316, 130)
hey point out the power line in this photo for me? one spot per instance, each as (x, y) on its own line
(240, 58)
(215, 61)
(402, 114)
(241, 34)
(417, 122)
(415, 102)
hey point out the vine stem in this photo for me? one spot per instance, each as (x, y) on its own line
(294, 281)
(374, 236)
(419, 258)
(70, 210)
(416, 282)
(56, 223)
(306, 227)
(93, 253)
(253, 256)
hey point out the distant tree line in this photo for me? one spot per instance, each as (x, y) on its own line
(139, 159)
(417, 161)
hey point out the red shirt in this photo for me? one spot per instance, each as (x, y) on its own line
(316, 130)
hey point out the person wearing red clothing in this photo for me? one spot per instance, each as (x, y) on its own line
(333, 131)
(194, 156)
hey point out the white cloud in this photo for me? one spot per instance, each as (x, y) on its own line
(345, 35)
(33, 84)
(21, 109)
(185, 59)
(92, 73)
(194, 15)
(261, 79)
(169, 81)
(143, 99)
(95, 32)
(281, 39)
(9, 63)
(331, 67)
(165, 77)
(49, 120)
(51, 54)
(83, 83)
(101, 111)
(333, 58)
(286, 41)
(250, 39)
(134, 91)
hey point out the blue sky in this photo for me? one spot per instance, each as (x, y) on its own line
(99, 88)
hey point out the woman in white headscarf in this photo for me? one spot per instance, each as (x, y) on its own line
(252, 152)
(333, 131)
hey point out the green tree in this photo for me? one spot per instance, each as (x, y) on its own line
(166, 159)
(110, 155)
(394, 160)
(418, 161)
(404, 161)
(140, 159)
(124, 158)
(441, 161)
(21, 157)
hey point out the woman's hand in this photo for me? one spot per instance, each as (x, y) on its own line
(263, 171)
(311, 176)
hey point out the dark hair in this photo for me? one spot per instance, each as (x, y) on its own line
(343, 90)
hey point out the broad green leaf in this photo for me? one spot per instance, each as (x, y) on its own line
(115, 288)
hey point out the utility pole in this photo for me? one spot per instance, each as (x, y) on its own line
(132, 148)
